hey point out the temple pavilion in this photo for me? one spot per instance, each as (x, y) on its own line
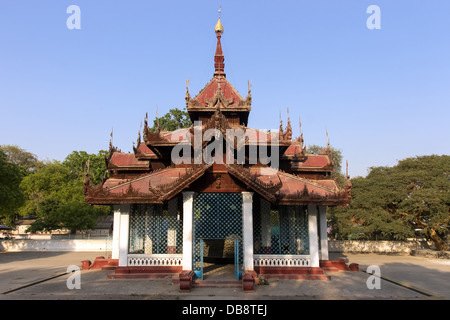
(186, 199)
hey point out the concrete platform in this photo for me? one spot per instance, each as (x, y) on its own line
(43, 276)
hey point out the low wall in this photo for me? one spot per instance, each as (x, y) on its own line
(341, 246)
(368, 246)
(56, 245)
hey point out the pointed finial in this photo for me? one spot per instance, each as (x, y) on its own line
(346, 169)
(139, 135)
(157, 120)
(300, 137)
(219, 27)
(219, 59)
(300, 124)
(281, 123)
(288, 120)
(111, 140)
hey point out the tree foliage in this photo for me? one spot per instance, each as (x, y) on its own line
(395, 202)
(172, 120)
(54, 193)
(11, 198)
(21, 157)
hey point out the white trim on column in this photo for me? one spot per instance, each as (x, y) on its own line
(188, 208)
(323, 233)
(247, 230)
(172, 208)
(116, 234)
(313, 241)
(124, 210)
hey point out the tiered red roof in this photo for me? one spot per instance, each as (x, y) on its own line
(149, 176)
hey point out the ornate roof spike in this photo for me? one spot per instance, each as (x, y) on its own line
(219, 27)
(346, 170)
(138, 141)
(300, 137)
(288, 127)
(281, 124)
(188, 96)
(146, 127)
(111, 147)
(157, 120)
(139, 135)
(219, 59)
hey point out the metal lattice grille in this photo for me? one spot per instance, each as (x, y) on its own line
(217, 223)
(156, 229)
(279, 229)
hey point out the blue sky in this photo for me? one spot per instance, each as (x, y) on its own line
(382, 95)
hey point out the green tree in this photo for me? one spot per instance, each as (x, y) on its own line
(172, 120)
(54, 193)
(21, 157)
(77, 162)
(11, 197)
(393, 202)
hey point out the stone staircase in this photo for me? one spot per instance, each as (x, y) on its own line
(218, 276)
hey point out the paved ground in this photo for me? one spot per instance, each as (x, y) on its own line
(43, 276)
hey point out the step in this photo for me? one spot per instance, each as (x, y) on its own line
(216, 284)
(331, 269)
(296, 276)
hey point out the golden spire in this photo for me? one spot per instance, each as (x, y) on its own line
(219, 27)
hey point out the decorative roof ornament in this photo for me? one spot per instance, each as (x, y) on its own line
(158, 129)
(219, 59)
(111, 140)
(300, 139)
(281, 124)
(188, 96)
(288, 127)
(219, 27)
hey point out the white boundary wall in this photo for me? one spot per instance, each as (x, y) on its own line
(368, 246)
(354, 246)
(55, 245)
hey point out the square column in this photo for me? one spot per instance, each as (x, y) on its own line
(171, 228)
(323, 234)
(266, 238)
(116, 234)
(247, 230)
(312, 230)
(124, 211)
(188, 218)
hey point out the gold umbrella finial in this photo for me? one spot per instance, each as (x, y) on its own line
(219, 27)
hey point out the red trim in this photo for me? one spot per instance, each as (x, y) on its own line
(305, 273)
(288, 270)
(338, 265)
(99, 263)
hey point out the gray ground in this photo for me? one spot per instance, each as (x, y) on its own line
(43, 276)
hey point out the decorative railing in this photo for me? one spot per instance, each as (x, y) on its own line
(272, 260)
(155, 259)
